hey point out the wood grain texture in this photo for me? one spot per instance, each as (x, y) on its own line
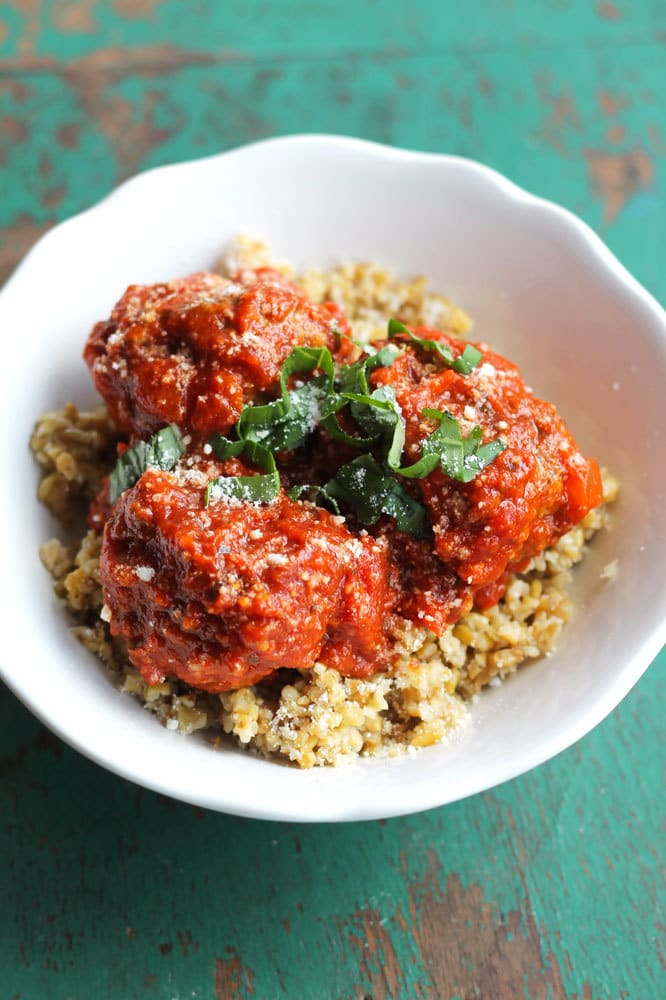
(550, 887)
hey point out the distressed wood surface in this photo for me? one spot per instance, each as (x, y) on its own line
(549, 887)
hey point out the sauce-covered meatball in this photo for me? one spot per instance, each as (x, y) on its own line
(525, 499)
(222, 595)
(194, 350)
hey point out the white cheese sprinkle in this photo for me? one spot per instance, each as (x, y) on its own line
(145, 573)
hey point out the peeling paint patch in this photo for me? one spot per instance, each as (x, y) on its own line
(615, 134)
(133, 132)
(609, 104)
(18, 91)
(617, 177)
(119, 63)
(135, 10)
(74, 16)
(660, 936)
(379, 967)
(609, 11)
(12, 129)
(232, 980)
(186, 942)
(27, 41)
(68, 136)
(488, 954)
(562, 119)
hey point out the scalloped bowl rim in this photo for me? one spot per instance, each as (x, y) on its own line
(237, 800)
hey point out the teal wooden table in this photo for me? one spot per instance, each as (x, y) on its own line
(549, 887)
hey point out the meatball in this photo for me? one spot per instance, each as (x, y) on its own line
(428, 592)
(525, 499)
(194, 350)
(221, 596)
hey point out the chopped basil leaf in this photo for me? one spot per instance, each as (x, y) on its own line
(161, 452)
(284, 429)
(378, 414)
(306, 359)
(224, 448)
(409, 515)
(329, 421)
(484, 455)
(287, 422)
(296, 492)
(244, 489)
(371, 491)
(353, 389)
(345, 336)
(382, 358)
(458, 457)
(468, 360)
(353, 378)
(464, 364)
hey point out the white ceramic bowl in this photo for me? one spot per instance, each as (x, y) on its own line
(542, 288)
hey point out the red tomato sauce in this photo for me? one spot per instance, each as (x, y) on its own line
(223, 594)
(195, 350)
(526, 498)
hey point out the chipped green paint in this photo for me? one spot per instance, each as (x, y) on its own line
(254, 29)
(598, 147)
(550, 887)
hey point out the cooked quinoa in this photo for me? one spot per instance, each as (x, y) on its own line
(317, 717)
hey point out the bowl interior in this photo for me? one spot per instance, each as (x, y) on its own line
(541, 289)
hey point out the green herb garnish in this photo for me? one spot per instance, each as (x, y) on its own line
(162, 451)
(375, 412)
(458, 457)
(287, 422)
(372, 491)
(296, 492)
(250, 489)
(370, 484)
(465, 364)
